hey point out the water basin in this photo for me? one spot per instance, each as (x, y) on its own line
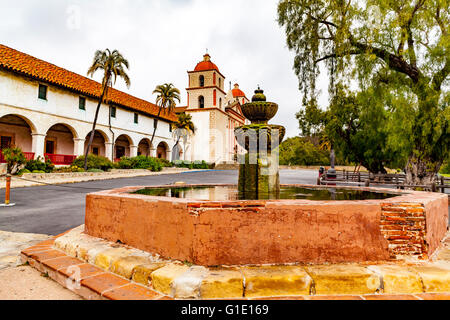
(225, 193)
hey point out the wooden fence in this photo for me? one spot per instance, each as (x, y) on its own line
(393, 180)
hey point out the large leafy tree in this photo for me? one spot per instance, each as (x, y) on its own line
(397, 48)
(302, 151)
(166, 100)
(113, 65)
(358, 129)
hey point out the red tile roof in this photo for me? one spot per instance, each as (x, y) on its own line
(237, 93)
(206, 64)
(179, 109)
(27, 65)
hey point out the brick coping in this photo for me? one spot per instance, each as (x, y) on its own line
(174, 280)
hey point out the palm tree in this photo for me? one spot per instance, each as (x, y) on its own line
(167, 94)
(113, 65)
(183, 128)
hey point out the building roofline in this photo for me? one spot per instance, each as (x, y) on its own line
(17, 62)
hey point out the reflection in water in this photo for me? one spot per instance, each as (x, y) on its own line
(222, 193)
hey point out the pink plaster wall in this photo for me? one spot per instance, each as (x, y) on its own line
(22, 136)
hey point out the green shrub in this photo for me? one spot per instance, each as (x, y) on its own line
(303, 152)
(23, 171)
(125, 163)
(165, 163)
(39, 165)
(445, 168)
(38, 171)
(14, 158)
(94, 162)
(141, 162)
(35, 165)
(191, 165)
(95, 170)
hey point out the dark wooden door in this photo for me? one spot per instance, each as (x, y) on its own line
(5, 142)
(50, 147)
(120, 152)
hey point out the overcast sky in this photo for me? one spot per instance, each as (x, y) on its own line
(163, 39)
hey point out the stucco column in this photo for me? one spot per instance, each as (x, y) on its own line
(133, 151)
(78, 147)
(153, 152)
(38, 144)
(169, 154)
(109, 150)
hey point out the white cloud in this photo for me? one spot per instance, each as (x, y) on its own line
(163, 40)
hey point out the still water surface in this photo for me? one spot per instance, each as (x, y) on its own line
(223, 193)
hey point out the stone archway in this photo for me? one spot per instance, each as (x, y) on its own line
(162, 151)
(59, 144)
(98, 146)
(144, 148)
(16, 131)
(122, 147)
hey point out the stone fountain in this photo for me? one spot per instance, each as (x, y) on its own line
(260, 222)
(259, 172)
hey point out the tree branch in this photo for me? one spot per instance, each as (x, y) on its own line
(439, 21)
(394, 62)
(334, 55)
(322, 21)
(441, 75)
(411, 50)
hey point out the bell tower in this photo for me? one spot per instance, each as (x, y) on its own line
(206, 86)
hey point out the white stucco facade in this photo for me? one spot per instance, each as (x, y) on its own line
(58, 124)
(215, 115)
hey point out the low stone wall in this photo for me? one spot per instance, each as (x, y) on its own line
(270, 232)
(56, 176)
(227, 166)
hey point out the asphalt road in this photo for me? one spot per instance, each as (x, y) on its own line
(55, 209)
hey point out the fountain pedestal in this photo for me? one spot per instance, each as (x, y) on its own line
(259, 168)
(260, 178)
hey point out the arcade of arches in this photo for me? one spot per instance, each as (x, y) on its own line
(61, 143)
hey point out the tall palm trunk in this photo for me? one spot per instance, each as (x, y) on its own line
(156, 127)
(91, 139)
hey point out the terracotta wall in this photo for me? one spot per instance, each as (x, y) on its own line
(289, 233)
(270, 232)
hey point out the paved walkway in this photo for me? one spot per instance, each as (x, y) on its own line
(12, 243)
(33, 180)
